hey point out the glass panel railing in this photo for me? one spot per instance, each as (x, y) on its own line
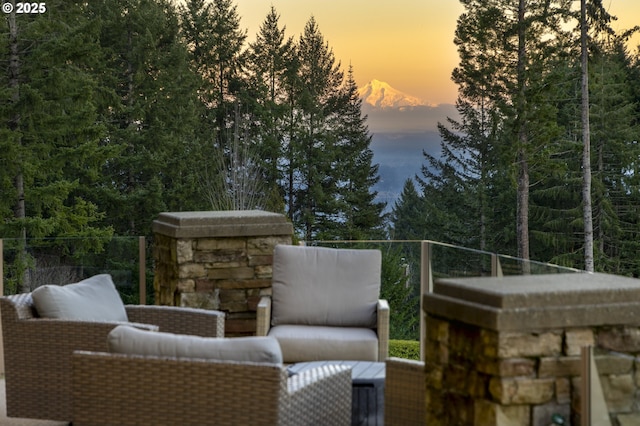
(409, 269)
(407, 265)
(515, 266)
(400, 282)
(35, 262)
(450, 261)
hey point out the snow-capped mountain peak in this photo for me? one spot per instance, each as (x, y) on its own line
(381, 95)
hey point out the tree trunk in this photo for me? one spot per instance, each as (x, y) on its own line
(586, 141)
(19, 210)
(522, 224)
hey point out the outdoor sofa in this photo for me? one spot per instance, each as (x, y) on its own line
(37, 350)
(154, 378)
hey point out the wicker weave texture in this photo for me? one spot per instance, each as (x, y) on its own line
(404, 393)
(38, 354)
(170, 319)
(112, 389)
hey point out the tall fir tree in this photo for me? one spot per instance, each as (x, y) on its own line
(51, 138)
(271, 59)
(313, 147)
(215, 41)
(362, 215)
(152, 120)
(505, 122)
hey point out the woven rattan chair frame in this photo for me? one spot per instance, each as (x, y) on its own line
(37, 351)
(404, 392)
(263, 323)
(110, 389)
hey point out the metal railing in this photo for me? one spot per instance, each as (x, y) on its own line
(436, 260)
(60, 261)
(409, 269)
(25, 265)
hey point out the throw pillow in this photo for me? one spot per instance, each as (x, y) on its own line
(92, 299)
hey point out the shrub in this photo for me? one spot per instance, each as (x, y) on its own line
(407, 349)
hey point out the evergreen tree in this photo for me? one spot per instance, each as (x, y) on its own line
(50, 141)
(505, 120)
(153, 118)
(401, 289)
(407, 215)
(215, 41)
(614, 130)
(362, 216)
(313, 153)
(270, 61)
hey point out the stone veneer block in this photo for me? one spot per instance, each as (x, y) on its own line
(218, 260)
(221, 224)
(531, 302)
(508, 349)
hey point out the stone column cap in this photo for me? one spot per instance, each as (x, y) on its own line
(537, 301)
(230, 223)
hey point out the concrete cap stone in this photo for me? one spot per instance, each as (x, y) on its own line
(537, 301)
(231, 223)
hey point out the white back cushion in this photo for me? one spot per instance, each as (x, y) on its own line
(133, 341)
(323, 286)
(93, 299)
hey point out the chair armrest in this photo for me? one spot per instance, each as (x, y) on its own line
(263, 316)
(383, 329)
(38, 362)
(179, 320)
(404, 392)
(330, 384)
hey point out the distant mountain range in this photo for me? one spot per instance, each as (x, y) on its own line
(392, 111)
(381, 95)
(403, 127)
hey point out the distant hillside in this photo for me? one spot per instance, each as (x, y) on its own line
(399, 156)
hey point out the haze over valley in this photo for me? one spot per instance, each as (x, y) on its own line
(403, 126)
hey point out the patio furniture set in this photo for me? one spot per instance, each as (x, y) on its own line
(76, 353)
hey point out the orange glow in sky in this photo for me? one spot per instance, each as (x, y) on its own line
(406, 43)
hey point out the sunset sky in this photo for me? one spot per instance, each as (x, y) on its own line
(406, 43)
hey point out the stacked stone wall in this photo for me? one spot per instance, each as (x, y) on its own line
(476, 376)
(225, 266)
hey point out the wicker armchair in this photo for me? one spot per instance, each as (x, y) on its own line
(325, 305)
(120, 389)
(404, 392)
(37, 351)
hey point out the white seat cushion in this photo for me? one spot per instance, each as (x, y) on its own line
(133, 341)
(93, 299)
(323, 286)
(313, 343)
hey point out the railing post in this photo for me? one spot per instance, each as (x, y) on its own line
(1, 294)
(593, 406)
(426, 286)
(585, 403)
(142, 272)
(496, 268)
(1, 267)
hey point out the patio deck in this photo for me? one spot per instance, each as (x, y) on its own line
(5, 421)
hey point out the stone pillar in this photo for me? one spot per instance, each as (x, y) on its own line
(506, 351)
(217, 260)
